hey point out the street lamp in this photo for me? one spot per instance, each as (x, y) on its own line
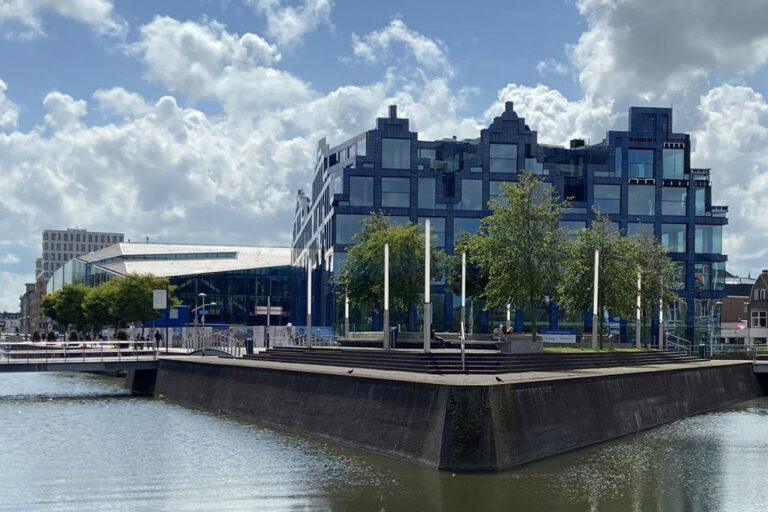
(712, 326)
(202, 306)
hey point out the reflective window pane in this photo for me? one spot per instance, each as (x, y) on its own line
(673, 163)
(642, 200)
(608, 198)
(495, 193)
(673, 237)
(396, 192)
(673, 200)
(396, 153)
(426, 192)
(471, 195)
(464, 225)
(640, 163)
(638, 228)
(347, 226)
(503, 157)
(360, 191)
(436, 228)
(709, 239)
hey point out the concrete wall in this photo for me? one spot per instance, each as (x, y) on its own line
(455, 427)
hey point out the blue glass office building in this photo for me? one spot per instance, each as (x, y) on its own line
(641, 177)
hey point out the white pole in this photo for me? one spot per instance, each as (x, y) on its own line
(309, 302)
(594, 299)
(661, 324)
(463, 307)
(386, 297)
(346, 316)
(427, 304)
(509, 315)
(637, 324)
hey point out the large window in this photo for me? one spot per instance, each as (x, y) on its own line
(701, 201)
(759, 319)
(608, 198)
(709, 275)
(640, 163)
(642, 200)
(396, 192)
(396, 153)
(673, 163)
(347, 226)
(494, 193)
(436, 228)
(638, 228)
(428, 153)
(360, 191)
(464, 225)
(503, 157)
(360, 147)
(471, 195)
(427, 193)
(673, 237)
(673, 200)
(617, 162)
(709, 239)
(572, 227)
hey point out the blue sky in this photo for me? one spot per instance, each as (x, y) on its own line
(197, 121)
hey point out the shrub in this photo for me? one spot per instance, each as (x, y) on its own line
(121, 335)
(73, 336)
(51, 336)
(35, 336)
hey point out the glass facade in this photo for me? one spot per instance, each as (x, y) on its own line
(347, 226)
(709, 239)
(360, 191)
(464, 225)
(503, 157)
(640, 163)
(471, 195)
(494, 193)
(642, 200)
(709, 275)
(674, 163)
(673, 200)
(673, 237)
(436, 228)
(396, 153)
(426, 193)
(396, 192)
(608, 198)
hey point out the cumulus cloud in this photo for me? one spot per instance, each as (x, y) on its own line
(551, 66)
(11, 287)
(9, 112)
(287, 24)
(121, 102)
(63, 110)
(430, 54)
(204, 60)
(656, 50)
(9, 259)
(98, 14)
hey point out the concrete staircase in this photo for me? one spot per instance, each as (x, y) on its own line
(477, 362)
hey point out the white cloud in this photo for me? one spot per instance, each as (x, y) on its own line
(429, 54)
(63, 110)
(9, 259)
(9, 112)
(11, 287)
(288, 24)
(656, 50)
(121, 102)
(98, 14)
(205, 60)
(552, 66)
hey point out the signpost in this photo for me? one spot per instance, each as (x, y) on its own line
(160, 301)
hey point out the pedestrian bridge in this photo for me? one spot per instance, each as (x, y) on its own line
(87, 356)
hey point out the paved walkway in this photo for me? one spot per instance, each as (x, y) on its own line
(453, 379)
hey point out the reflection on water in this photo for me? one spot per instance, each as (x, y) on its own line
(79, 442)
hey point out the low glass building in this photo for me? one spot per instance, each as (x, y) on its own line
(238, 279)
(641, 177)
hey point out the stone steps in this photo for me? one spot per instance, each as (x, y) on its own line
(450, 362)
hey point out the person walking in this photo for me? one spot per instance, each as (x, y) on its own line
(158, 338)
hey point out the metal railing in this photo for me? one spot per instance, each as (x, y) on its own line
(677, 344)
(75, 351)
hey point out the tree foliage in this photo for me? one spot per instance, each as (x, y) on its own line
(132, 301)
(476, 275)
(65, 307)
(659, 274)
(520, 246)
(361, 275)
(97, 305)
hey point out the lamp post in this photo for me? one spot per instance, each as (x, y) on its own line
(712, 326)
(594, 300)
(463, 307)
(386, 297)
(202, 306)
(427, 303)
(638, 327)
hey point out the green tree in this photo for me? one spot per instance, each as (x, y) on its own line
(476, 276)
(659, 274)
(132, 301)
(617, 287)
(98, 304)
(361, 275)
(520, 245)
(65, 306)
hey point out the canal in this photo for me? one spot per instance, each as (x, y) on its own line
(80, 442)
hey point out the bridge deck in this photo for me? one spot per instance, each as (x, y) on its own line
(79, 365)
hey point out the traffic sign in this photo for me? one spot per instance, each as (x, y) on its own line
(274, 310)
(159, 299)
